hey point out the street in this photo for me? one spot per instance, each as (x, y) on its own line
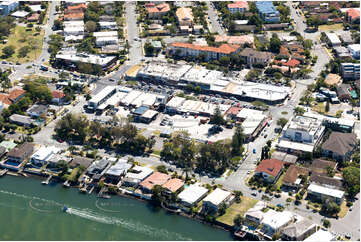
(213, 19)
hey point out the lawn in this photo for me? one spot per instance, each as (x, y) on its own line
(19, 37)
(237, 208)
(331, 27)
(344, 210)
(156, 152)
(319, 107)
(279, 181)
(72, 175)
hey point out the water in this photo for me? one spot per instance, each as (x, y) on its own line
(31, 211)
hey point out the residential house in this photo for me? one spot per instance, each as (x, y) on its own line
(21, 153)
(285, 157)
(354, 50)
(184, 16)
(157, 178)
(268, 12)
(342, 52)
(158, 11)
(332, 79)
(273, 222)
(350, 71)
(324, 180)
(216, 199)
(192, 195)
(80, 161)
(16, 94)
(321, 235)
(173, 185)
(74, 16)
(299, 231)
(37, 110)
(343, 92)
(98, 168)
(255, 215)
(242, 25)
(109, 40)
(321, 166)
(333, 40)
(58, 97)
(34, 17)
(238, 7)
(353, 15)
(340, 146)
(8, 145)
(21, 120)
(252, 56)
(6, 7)
(116, 171)
(269, 169)
(321, 193)
(280, 26)
(110, 25)
(43, 155)
(292, 178)
(136, 175)
(209, 52)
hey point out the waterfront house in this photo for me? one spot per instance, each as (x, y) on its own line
(255, 215)
(269, 170)
(157, 178)
(97, 168)
(192, 195)
(173, 186)
(273, 222)
(136, 175)
(321, 193)
(321, 235)
(216, 199)
(340, 146)
(116, 171)
(21, 153)
(80, 161)
(299, 230)
(43, 155)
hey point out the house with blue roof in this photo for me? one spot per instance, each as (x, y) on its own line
(268, 12)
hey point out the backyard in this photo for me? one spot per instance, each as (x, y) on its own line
(21, 37)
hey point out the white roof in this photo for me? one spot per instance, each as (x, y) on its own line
(73, 37)
(85, 58)
(176, 102)
(73, 23)
(354, 47)
(36, 8)
(45, 153)
(149, 113)
(130, 97)
(295, 146)
(241, 22)
(321, 235)
(102, 94)
(105, 34)
(275, 219)
(192, 194)
(217, 196)
(147, 99)
(115, 99)
(119, 168)
(333, 38)
(73, 29)
(20, 14)
(247, 113)
(107, 23)
(107, 38)
(326, 191)
(143, 172)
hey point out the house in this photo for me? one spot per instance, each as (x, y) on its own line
(80, 161)
(98, 168)
(333, 79)
(235, 40)
(43, 155)
(21, 153)
(299, 231)
(106, 40)
(209, 52)
(292, 63)
(340, 146)
(238, 7)
(192, 195)
(6, 7)
(354, 50)
(252, 56)
(321, 235)
(342, 52)
(58, 97)
(280, 26)
(343, 92)
(158, 11)
(173, 185)
(268, 12)
(184, 16)
(34, 17)
(353, 15)
(74, 16)
(270, 170)
(255, 215)
(350, 71)
(321, 193)
(292, 177)
(37, 110)
(321, 166)
(157, 178)
(110, 25)
(116, 171)
(285, 157)
(21, 120)
(333, 40)
(216, 199)
(325, 180)
(8, 145)
(242, 25)
(136, 175)
(273, 222)
(16, 94)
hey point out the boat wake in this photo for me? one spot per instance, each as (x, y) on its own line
(127, 224)
(32, 198)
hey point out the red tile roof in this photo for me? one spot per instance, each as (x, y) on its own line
(79, 6)
(224, 48)
(79, 15)
(238, 4)
(270, 166)
(173, 185)
(233, 110)
(4, 98)
(284, 51)
(33, 17)
(157, 178)
(292, 63)
(160, 8)
(58, 94)
(353, 13)
(16, 93)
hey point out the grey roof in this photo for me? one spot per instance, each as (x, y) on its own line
(285, 157)
(340, 143)
(17, 118)
(81, 161)
(322, 179)
(2, 151)
(37, 108)
(256, 53)
(296, 229)
(22, 151)
(98, 166)
(343, 89)
(320, 165)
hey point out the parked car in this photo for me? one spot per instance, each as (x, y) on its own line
(254, 194)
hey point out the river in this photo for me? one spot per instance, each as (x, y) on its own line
(31, 211)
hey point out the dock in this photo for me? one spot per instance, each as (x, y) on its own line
(83, 189)
(47, 181)
(91, 190)
(3, 172)
(102, 195)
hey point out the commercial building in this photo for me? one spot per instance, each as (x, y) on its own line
(340, 146)
(253, 122)
(268, 12)
(101, 97)
(192, 195)
(209, 52)
(321, 235)
(301, 134)
(238, 7)
(144, 115)
(273, 222)
(333, 40)
(269, 170)
(350, 71)
(157, 178)
(321, 193)
(6, 7)
(215, 199)
(354, 50)
(184, 16)
(235, 40)
(137, 175)
(43, 155)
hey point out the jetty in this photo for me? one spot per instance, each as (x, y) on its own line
(3, 172)
(47, 181)
(83, 189)
(91, 190)
(102, 195)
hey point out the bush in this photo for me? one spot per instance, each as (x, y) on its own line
(326, 223)
(162, 169)
(288, 200)
(349, 204)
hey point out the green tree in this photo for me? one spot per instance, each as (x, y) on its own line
(275, 44)
(162, 169)
(237, 141)
(326, 223)
(282, 122)
(239, 220)
(217, 117)
(23, 51)
(149, 49)
(8, 51)
(91, 26)
(307, 43)
(351, 177)
(299, 111)
(157, 199)
(327, 108)
(330, 207)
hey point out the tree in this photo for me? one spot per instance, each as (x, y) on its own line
(252, 74)
(351, 177)
(299, 111)
(149, 49)
(239, 220)
(282, 122)
(217, 117)
(58, 24)
(157, 199)
(225, 60)
(307, 43)
(23, 51)
(91, 26)
(222, 209)
(275, 43)
(237, 141)
(327, 108)
(326, 223)
(162, 169)
(330, 208)
(8, 51)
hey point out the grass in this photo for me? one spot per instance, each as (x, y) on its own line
(156, 133)
(344, 210)
(156, 152)
(237, 208)
(331, 27)
(279, 181)
(31, 38)
(319, 107)
(284, 113)
(72, 175)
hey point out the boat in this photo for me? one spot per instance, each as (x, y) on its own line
(65, 208)
(104, 196)
(3, 172)
(66, 184)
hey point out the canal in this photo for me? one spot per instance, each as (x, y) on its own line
(31, 211)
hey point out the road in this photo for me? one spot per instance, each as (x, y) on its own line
(213, 19)
(135, 46)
